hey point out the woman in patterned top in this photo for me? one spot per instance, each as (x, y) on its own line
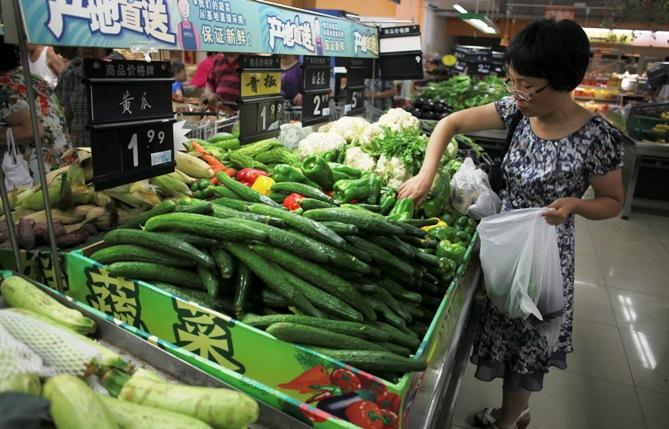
(557, 151)
(14, 111)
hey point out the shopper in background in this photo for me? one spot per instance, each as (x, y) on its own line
(558, 150)
(45, 63)
(179, 72)
(382, 91)
(15, 111)
(223, 83)
(291, 79)
(199, 79)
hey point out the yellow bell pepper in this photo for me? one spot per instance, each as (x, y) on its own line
(437, 225)
(263, 185)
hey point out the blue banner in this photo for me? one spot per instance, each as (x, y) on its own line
(202, 25)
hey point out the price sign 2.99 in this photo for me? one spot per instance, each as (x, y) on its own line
(315, 108)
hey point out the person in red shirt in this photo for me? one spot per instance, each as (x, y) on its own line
(199, 79)
(223, 83)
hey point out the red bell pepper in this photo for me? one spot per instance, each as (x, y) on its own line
(292, 202)
(248, 176)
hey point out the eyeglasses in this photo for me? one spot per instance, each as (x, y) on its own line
(524, 96)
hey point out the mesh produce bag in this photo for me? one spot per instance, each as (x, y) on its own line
(60, 350)
(19, 366)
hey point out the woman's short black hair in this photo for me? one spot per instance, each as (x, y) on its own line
(177, 67)
(556, 51)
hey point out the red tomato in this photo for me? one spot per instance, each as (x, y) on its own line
(390, 419)
(345, 379)
(389, 401)
(365, 414)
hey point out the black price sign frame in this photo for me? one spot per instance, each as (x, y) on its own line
(131, 120)
(259, 115)
(356, 73)
(401, 58)
(316, 92)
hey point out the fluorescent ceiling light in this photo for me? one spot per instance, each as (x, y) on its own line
(459, 8)
(480, 22)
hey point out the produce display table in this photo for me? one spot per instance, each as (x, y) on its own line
(491, 140)
(641, 154)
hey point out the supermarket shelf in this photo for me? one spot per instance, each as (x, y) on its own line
(641, 150)
(599, 100)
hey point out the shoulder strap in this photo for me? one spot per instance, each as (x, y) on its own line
(515, 120)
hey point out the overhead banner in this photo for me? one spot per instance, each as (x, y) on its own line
(197, 25)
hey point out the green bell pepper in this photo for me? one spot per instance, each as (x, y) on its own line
(348, 190)
(463, 236)
(387, 199)
(288, 173)
(447, 266)
(439, 195)
(448, 218)
(374, 188)
(453, 251)
(316, 169)
(341, 171)
(464, 222)
(402, 210)
(335, 155)
(446, 233)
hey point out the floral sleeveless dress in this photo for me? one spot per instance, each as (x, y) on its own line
(537, 172)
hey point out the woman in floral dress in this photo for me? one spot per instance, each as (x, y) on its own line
(557, 151)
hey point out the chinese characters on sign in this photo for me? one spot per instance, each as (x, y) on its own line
(260, 83)
(291, 33)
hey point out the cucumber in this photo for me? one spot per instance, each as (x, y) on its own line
(277, 197)
(227, 212)
(341, 228)
(429, 288)
(346, 275)
(355, 329)
(414, 310)
(365, 222)
(323, 300)
(197, 296)
(134, 253)
(431, 302)
(384, 296)
(419, 223)
(232, 203)
(371, 207)
(306, 226)
(398, 336)
(385, 313)
(209, 278)
(224, 192)
(315, 274)
(313, 203)
(303, 189)
(149, 272)
(395, 246)
(244, 192)
(381, 255)
(427, 259)
(193, 239)
(202, 209)
(419, 329)
(272, 276)
(360, 254)
(428, 277)
(243, 284)
(398, 291)
(374, 361)
(272, 299)
(164, 207)
(220, 229)
(224, 261)
(410, 230)
(415, 242)
(159, 242)
(310, 335)
(396, 348)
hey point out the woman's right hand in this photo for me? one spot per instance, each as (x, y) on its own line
(416, 188)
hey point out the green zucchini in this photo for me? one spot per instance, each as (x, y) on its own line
(398, 336)
(197, 296)
(374, 361)
(134, 253)
(164, 207)
(209, 278)
(310, 335)
(159, 242)
(315, 274)
(224, 261)
(150, 272)
(243, 285)
(360, 330)
(303, 189)
(341, 228)
(244, 192)
(313, 203)
(220, 229)
(364, 221)
(306, 226)
(381, 255)
(232, 203)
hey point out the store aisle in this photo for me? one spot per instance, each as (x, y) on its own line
(618, 375)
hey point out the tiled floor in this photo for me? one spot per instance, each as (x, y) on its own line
(618, 375)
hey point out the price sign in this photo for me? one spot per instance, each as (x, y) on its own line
(130, 107)
(316, 72)
(261, 105)
(315, 108)
(127, 154)
(400, 55)
(355, 102)
(260, 83)
(483, 68)
(356, 73)
(260, 119)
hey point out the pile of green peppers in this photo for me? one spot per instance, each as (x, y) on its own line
(453, 241)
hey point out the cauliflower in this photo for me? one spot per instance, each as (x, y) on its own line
(292, 133)
(348, 127)
(368, 137)
(392, 171)
(357, 158)
(398, 119)
(318, 143)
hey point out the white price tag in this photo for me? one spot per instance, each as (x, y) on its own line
(158, 158)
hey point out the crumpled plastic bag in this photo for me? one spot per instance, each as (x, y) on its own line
(471, 193)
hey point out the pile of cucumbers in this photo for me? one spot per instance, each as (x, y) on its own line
(339, 279)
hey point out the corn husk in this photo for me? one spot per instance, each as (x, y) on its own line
(32, 199)
(193, 166)
(180, 175)
(74, 190)
(68, 217)
(137, 195)
(102, 200)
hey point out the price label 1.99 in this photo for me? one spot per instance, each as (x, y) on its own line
(315, 108)
(260, 118)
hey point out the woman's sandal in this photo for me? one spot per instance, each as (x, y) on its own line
(487, 417)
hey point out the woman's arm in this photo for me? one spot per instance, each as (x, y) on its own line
(468, 120)
(55, 62)
(608, 201)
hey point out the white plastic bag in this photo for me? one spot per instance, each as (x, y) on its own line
(521, 265)
(14, 167)
(471, 193)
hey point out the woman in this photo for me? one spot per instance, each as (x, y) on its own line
(179, 72)
(291, 79)
(14, 111)
(558, 150)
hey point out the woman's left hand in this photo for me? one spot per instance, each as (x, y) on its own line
(562, 208)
